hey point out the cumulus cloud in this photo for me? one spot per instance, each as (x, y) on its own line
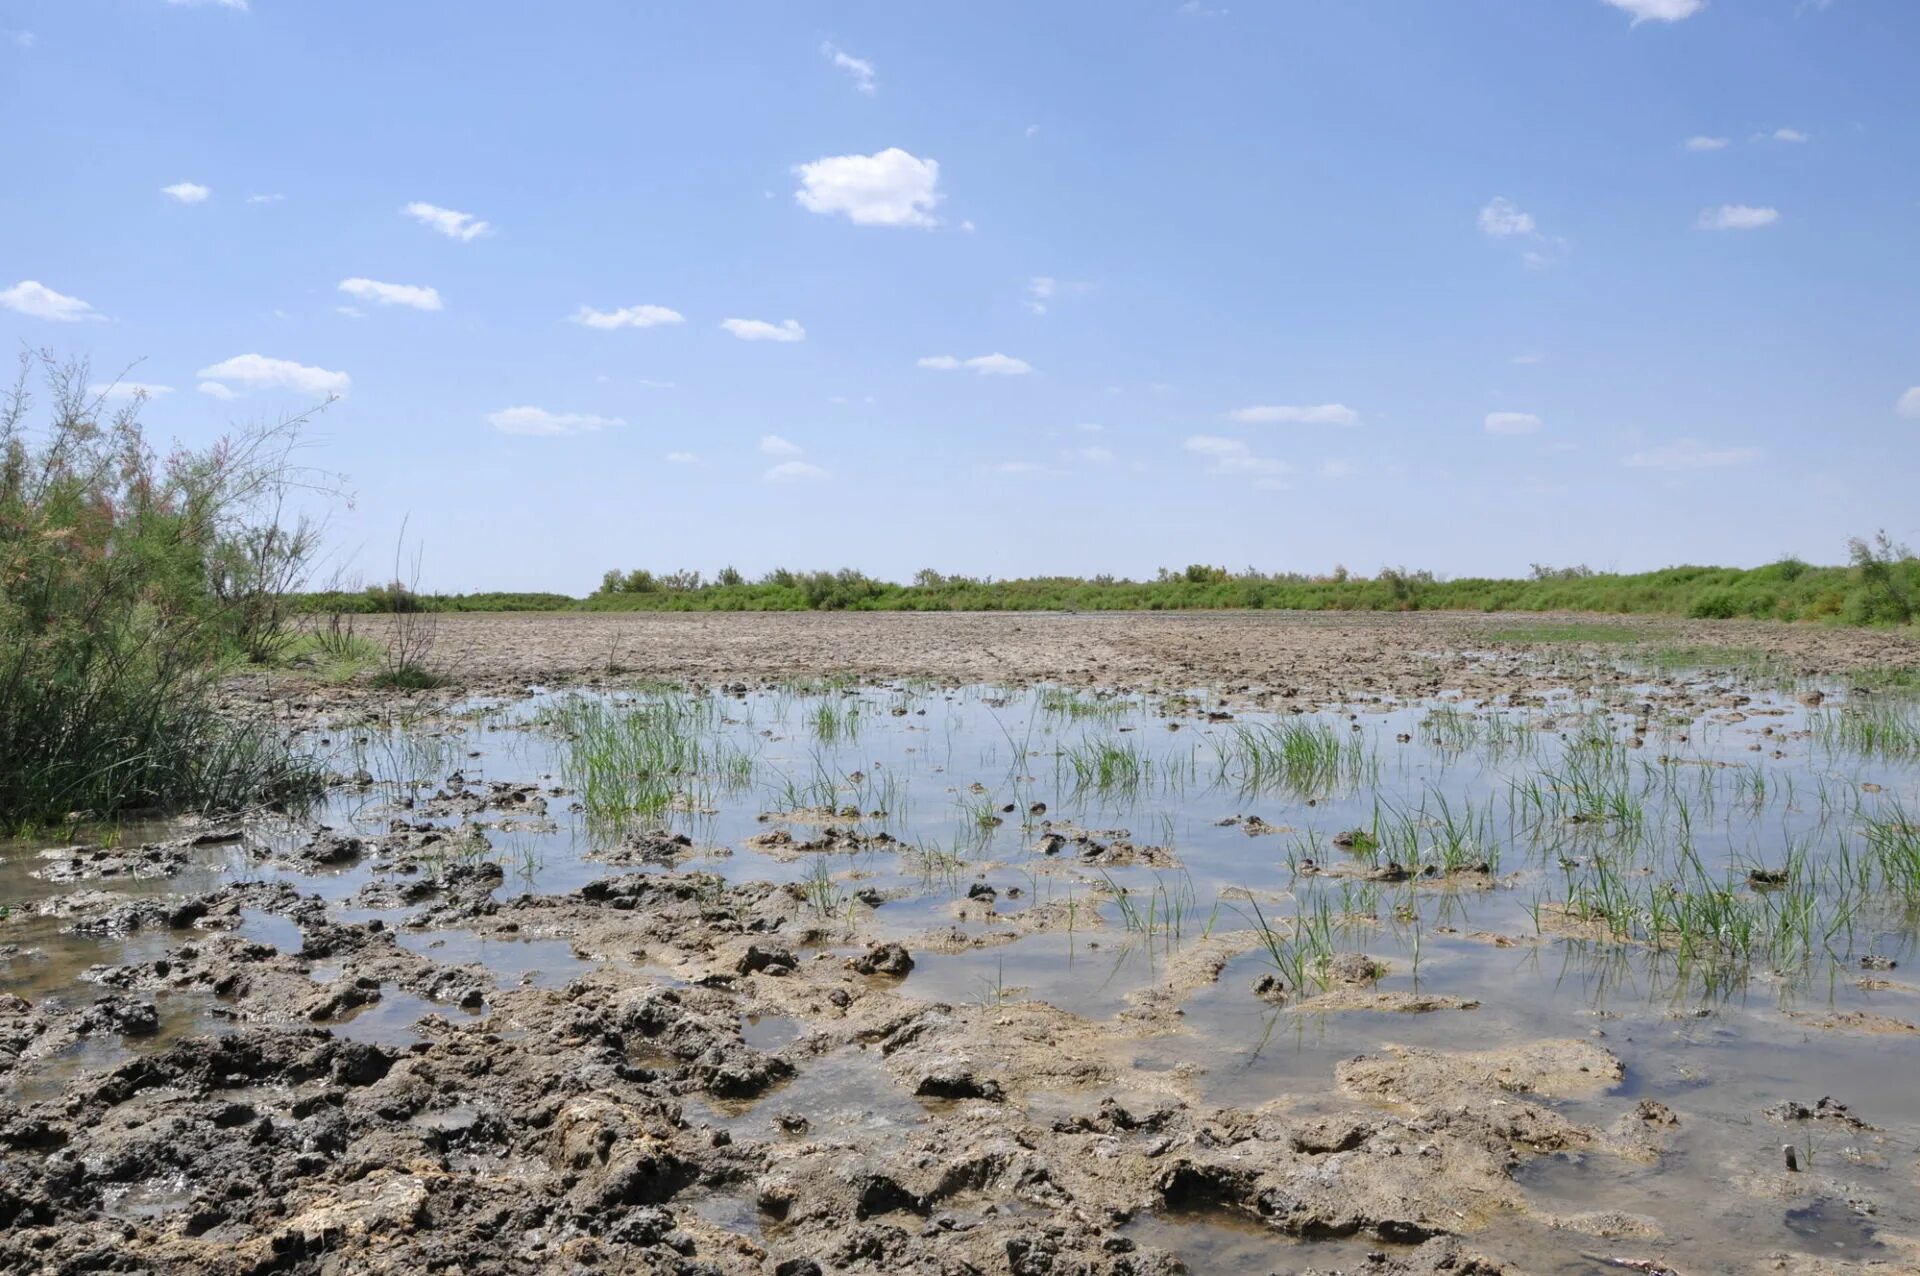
(541, 423)
(987, 365)
(261, 373)
(1909, 405)
(454, 225)
(1295, 414)
(1513, 423)
(859, 69)
(1234, 457)
(1704, 143)
(774, 445)
(1659, 10)
(415, 296)
(1736, 217)
(626, 317)
(887, 188)
(1787, 135)
(214, 390)
(794, 471)
(128, 390)
(186, 192)
(32, 298)
(1692, 454)
(761, 330)
(1502, 218)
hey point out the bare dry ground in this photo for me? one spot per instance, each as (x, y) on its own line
(1313, 655)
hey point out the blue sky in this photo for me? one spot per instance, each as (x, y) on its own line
(1000, 288)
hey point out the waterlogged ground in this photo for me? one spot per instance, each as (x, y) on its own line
(1539, 949)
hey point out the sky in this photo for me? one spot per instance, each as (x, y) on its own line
(1000, 289)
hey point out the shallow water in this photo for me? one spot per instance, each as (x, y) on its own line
(1552, 851)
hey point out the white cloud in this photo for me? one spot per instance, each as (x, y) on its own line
(416, 296)
(261, 373)
(626, 317)
(761, 330)
(987, 365)
(351, 312)
(1909, 405)
(1513, 423)
(887, 188)
(859, 69)
(128, 390)
(541, 423)
(1040, 290)
(1691, 454)
(33, 298)
(187, 192)
(774, 445)
(1295, 414)
(19, 39)
(683, 458)
(454, 225)
(265, 199)
(1788, 135)
(1502, 218)
(1231, 456)
(794, 471)
(1659, 10)
(213, 389)
(1736, 217)
(1704, 143)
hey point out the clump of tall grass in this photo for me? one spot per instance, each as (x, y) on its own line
(124, 581)
(638, 758)
(1879, 726)
(1306, 757)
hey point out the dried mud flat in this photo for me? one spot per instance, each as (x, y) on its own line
(287, 1046)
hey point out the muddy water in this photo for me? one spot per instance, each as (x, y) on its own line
(1514, 864)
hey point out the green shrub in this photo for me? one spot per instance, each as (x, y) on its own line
(123, 581)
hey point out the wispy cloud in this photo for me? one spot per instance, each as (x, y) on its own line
(1701, 142)
(761, 330)
(265, 199)
(128, 390)
(34, 299)
(1234, 457)
(987, 365)
(1692, 454)
(214, 390)
(626, 317)
(774, 445)
(683, 458)
(1502, 218)
(464, 227)
(1789, 136)
(538, 422)
(1659, 10)
(187, 192)
(1513, 423)
(413, 296)
(1040, 290)
(1909, 404)
(794, 471)
(261, 373)
(887, 188)
(859, 69)
(1736, 217)
(1295, 414)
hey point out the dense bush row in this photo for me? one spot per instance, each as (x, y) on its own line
(1881, 585)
